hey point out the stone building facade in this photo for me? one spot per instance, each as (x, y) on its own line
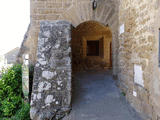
(133, 29)
(11, 55)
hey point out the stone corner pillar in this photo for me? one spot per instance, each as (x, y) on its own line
(51, 95)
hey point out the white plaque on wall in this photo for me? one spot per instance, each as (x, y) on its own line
(138, 75)
(121, 29)
(134, 93)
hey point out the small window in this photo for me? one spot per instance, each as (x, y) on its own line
(93, 48)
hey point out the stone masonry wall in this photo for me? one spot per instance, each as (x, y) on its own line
(138, 46)
(51, 95)
(155, 83)
(76, 12)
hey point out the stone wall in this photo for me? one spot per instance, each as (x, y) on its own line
(76, 12)
(51, 94)
(155, 80)
(11, 55)
(134, 26)
(138, 47)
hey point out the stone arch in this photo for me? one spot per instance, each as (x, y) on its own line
(53, 68)
(94, 26)
(106, 13)
(75, 12)
(91, 32)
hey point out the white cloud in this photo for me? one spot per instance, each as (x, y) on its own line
(14, 20)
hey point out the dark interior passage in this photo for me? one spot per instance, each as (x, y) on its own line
(91, 46)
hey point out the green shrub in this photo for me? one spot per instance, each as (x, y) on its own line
(11, 91)
(23, 113)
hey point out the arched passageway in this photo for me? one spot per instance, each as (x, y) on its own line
(91, 46)
(134, 48)
(95, 94)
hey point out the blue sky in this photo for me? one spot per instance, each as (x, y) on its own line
(14, 20)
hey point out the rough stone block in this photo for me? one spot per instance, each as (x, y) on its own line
(51, 94)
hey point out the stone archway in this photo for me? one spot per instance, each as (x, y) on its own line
(137, 23)
(91, 46)
(76, 12)
(106, 13)
(51, 96)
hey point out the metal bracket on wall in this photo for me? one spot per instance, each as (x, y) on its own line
(94, 4)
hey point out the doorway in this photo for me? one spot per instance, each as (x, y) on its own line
(91, 48)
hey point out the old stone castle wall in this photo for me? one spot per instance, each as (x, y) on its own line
(139, 46)
(51, 95)
(135, 50)
(75, 12)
